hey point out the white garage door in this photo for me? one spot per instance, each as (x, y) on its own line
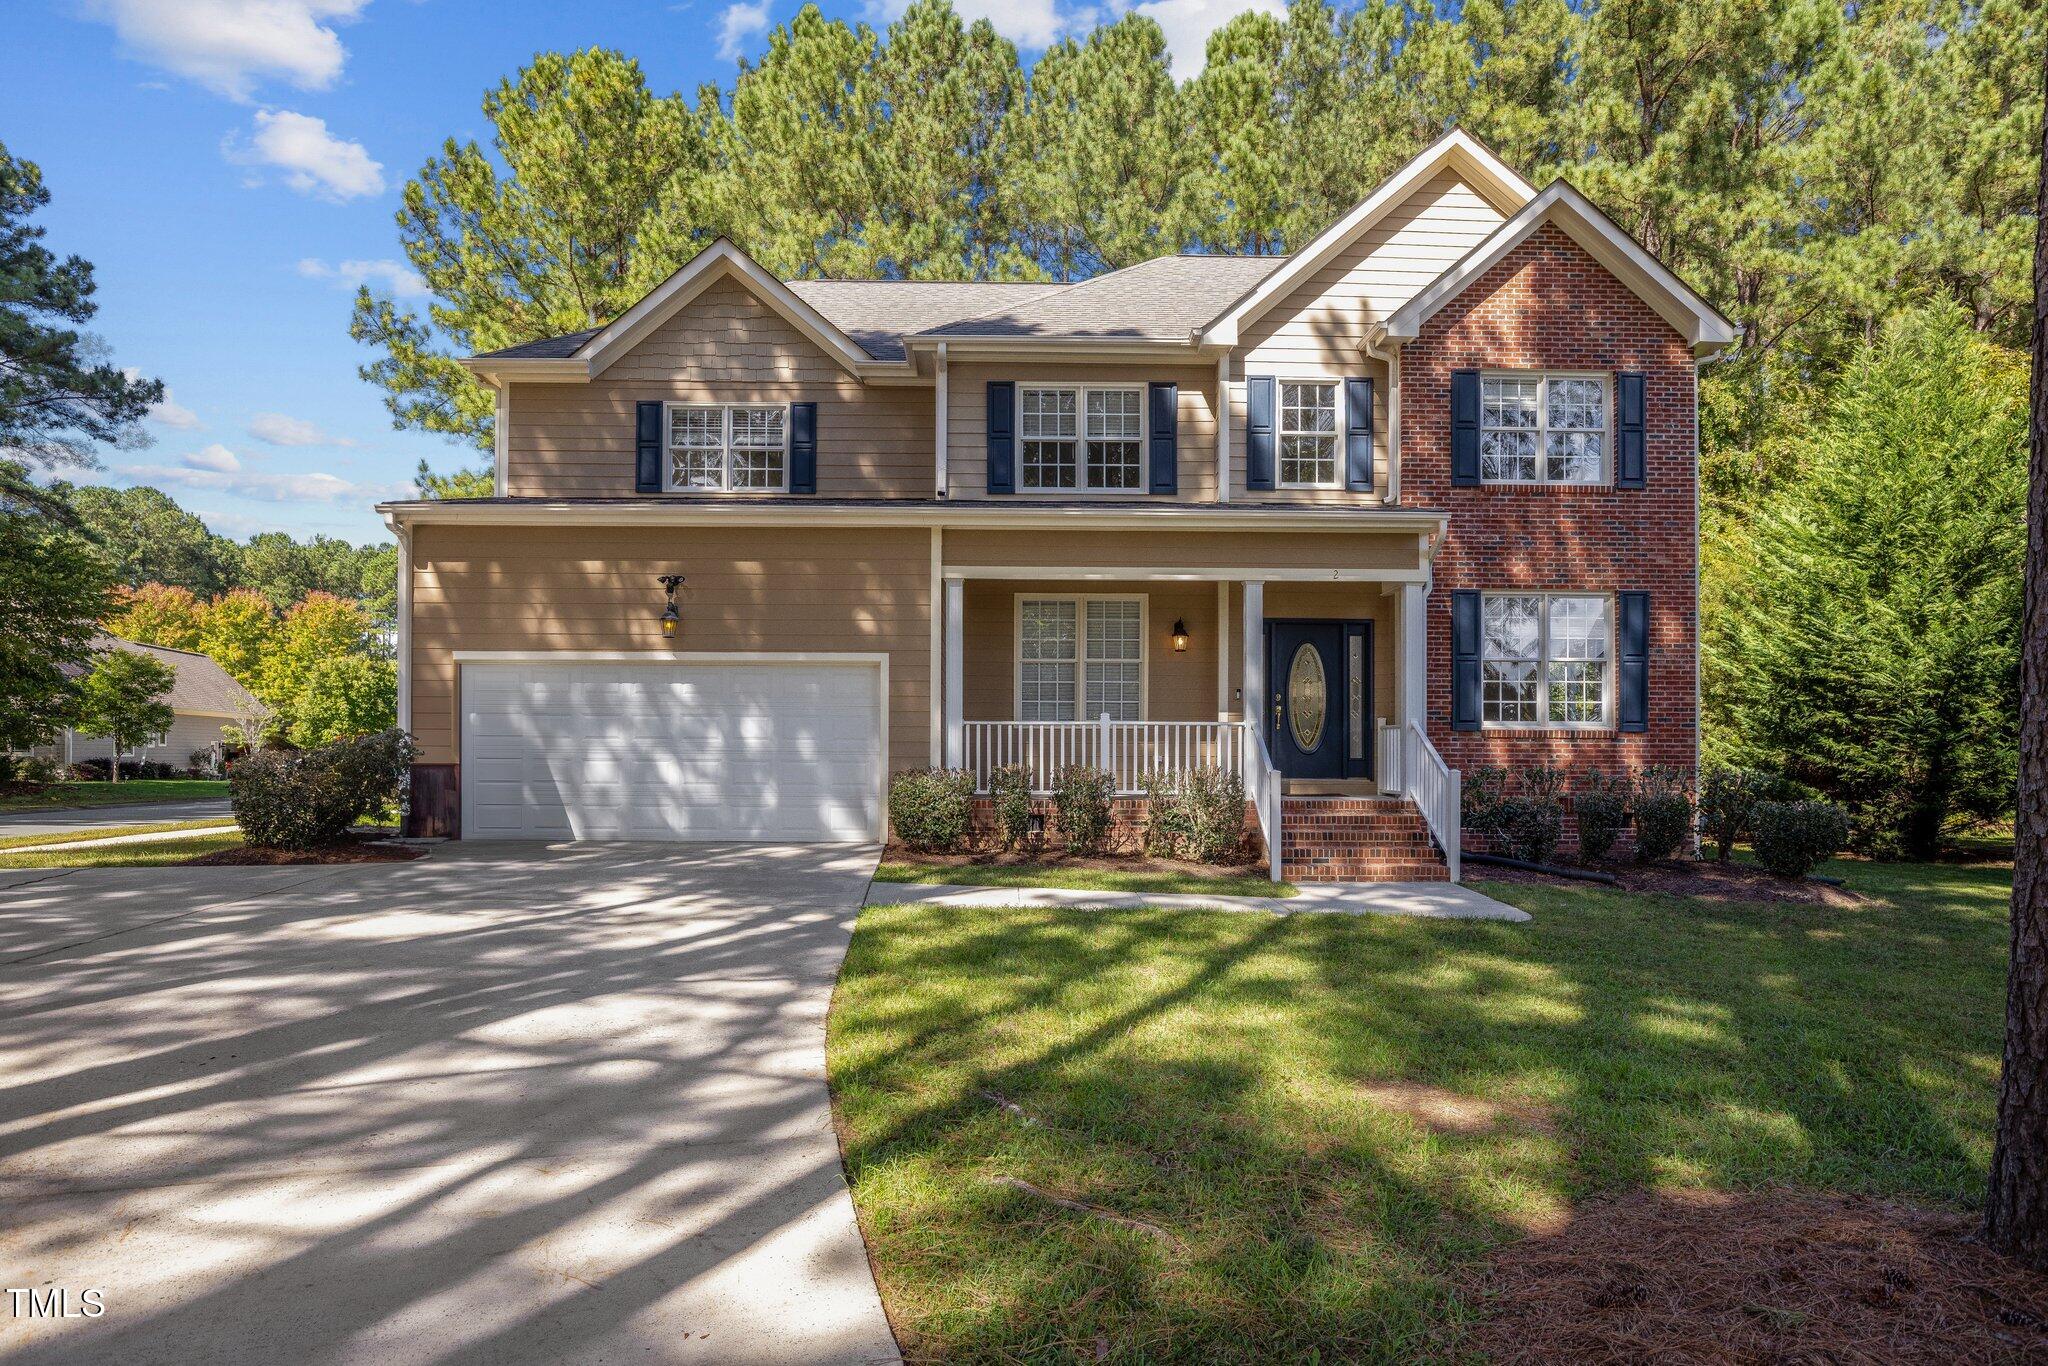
(671, 751)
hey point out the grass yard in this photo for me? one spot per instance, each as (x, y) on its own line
(113, 832)
(1292, 1138)
(1079, 878)
(65, 796)
(151, 854)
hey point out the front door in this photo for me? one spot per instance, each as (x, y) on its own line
(1319, 674)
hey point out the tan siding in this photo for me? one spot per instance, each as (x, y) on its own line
(1318, 329)
(967, 420)
(576, 440)
(823, 590)
(1179, 687)
(1168, 550)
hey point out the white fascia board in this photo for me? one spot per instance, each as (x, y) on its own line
(1054, 348)
(1699, 322)
(654, 511)
(1488, 174)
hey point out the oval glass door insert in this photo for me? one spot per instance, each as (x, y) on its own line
(1308, 697)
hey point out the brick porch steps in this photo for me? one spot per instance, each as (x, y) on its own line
(1356, 839)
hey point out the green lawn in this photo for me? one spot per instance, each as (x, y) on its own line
(1080, 879)
(1329, 1117)
(113, 832)
(153, 854)
(64, 796)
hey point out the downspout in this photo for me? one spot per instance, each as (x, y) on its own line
(1375, 346)
(940, 387)
(501, 438)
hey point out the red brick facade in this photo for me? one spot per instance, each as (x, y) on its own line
(1548, 305)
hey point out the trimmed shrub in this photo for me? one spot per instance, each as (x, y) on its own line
(1524, 817)
(1080, 806)
(36, 771)
(1197, 815)
(1791, 837)
(1663, 812)
(1009, 789)
(1728, 798)
(928, 808)
(1601, 804)
(1479, 800)
(1530, 827)
(310, 798)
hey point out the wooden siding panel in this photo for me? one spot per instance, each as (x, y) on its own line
(820, 590)
(1170, 550)
(967, 422)
(576, 440)
(1179, 687)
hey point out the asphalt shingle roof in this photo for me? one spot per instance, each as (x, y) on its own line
(202, 685)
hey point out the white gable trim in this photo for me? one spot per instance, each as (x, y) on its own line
(1697, 321)
(718, 261)
(1493, 178)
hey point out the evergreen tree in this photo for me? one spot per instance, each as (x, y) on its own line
(1871, 647)
(150, 539)
(59, 395)
(54, 584)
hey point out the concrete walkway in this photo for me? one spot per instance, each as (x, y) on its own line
(507, 1104)
(1426, 900)
(107, 817)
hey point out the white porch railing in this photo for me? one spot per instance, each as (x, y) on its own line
(1262, 786)
(1434, 788)
(1387, 758)
(1127, 749)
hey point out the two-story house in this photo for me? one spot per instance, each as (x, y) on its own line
(1419, 496)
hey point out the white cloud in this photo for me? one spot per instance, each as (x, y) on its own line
(397, 278)
(737, 23)
(313, 160)
(278, 429)
(317, 486)
(229, 45)
(216, 457)
(165, 412)
(1188, 24)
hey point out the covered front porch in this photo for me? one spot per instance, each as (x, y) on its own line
(1305, 683)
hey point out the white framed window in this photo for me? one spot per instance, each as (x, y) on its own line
(1543, 429)
(728, 446)
(1078, 657)
(1081, 438)
(1310, 413)
(1546, 659)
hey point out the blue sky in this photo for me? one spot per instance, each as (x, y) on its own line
(231, 167)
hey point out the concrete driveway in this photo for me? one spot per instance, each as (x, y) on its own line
(508, 1104)
(107, 817)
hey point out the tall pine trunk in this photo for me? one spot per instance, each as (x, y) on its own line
(2016, 1210)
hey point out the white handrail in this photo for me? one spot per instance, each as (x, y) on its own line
(1262, 785)
(1434, 787)
(1128, 750)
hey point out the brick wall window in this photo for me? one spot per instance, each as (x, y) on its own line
(1543, 429)
(1545, 659)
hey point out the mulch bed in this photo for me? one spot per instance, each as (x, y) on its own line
(1053, 859)
(1706, 879)
(1778, 1276)
(373, 849)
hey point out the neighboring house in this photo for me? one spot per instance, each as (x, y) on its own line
(204, 699)
(1418, 497)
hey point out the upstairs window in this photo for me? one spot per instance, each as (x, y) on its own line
(728, 446)
(1308, 435)
(1544, 659)
(1543, 429)
(1081, 439)
(1080, 657)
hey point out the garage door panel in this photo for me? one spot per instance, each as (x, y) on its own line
(674, 751)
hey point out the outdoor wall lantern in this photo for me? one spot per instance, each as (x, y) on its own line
(671, 619)
(1180, 637)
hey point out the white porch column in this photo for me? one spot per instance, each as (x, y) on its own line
(956, 673)
(1255, 653)
(1223, 650)
(1412, 678)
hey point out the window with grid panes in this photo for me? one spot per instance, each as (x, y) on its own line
(1545, 659)
(1542, 429)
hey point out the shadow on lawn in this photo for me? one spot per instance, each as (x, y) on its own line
(1211, 1075)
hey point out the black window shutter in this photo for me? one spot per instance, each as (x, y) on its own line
(1628, 431)
(647, 447)
(1634, 649)
(1464, 428)
(1465, 659)
(803, 448)
(1165, 436)
(1002, 436)
(1358, 434)
(1258, 432)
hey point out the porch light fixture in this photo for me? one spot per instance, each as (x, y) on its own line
(1180, 637)
(671, 619)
